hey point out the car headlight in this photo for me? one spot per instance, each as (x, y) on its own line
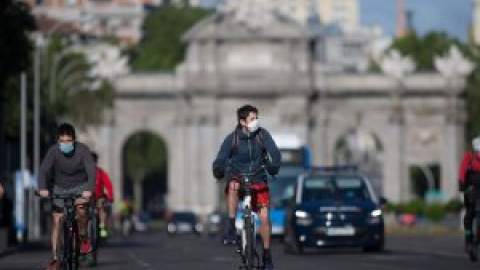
(376, 213)
(375, 216)
(303, 218)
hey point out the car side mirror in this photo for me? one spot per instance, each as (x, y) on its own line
(382, 200)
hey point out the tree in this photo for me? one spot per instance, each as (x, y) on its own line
(144, 153)
(16, 22)
(161, 48)
(423, 50)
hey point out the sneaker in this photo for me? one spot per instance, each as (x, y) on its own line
(103, 233)
(85, 246)
(230, 238)
(468, 242)
(54, 265)
(267, 261)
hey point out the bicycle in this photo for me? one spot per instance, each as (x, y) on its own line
(93, 231)
(68, 248)
(473, 251)
(246, 244)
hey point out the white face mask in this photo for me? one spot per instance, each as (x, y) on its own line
(253, 125)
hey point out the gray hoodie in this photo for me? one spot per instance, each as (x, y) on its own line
(68, 170)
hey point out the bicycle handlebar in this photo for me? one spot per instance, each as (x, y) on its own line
(60, 196)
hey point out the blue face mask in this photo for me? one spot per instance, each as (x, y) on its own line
(66, 148)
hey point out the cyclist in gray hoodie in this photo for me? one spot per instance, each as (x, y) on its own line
(249, 149)
(67, 168)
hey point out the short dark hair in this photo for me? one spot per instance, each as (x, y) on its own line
(66, 129)
(244, 111)
(95, 157)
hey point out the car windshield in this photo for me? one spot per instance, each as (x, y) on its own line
(344, 188)
(184, 217)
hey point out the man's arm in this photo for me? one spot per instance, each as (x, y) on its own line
(463, 170)
(89, 169)
(275, 157)
(222, 157)
(46, 168)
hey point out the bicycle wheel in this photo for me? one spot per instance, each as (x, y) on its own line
(249, 248)
(93, 234)
(61, 251)
(68, 246)
(473, 252)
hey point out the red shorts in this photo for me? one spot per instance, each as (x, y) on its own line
(260, 195)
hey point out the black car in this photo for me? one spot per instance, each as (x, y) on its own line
(334, 208)
(184, 222)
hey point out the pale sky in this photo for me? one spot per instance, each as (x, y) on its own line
(451, 16)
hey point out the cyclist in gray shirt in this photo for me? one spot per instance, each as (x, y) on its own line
(67, 168)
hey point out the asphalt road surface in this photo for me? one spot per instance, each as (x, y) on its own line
(149, 251)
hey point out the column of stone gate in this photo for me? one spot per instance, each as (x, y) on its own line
(395, 185)
(207, 144)
(176, 166)
(453, 146)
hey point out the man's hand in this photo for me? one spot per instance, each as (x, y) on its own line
(43, 193)
(2, 190)
(87, 194)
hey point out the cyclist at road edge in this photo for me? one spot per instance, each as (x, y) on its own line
(469, 182)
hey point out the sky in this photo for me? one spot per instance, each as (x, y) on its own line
(451, 16)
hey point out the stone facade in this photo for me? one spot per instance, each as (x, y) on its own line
(229, 64)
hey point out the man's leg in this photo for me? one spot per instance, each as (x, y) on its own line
(56, 219)
(265, 227)
(82, 219)
(468, 222)
(232, 201)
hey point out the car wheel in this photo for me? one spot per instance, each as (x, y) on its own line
(378, 247)
(291, 245)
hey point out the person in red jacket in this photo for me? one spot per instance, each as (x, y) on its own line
(469, 183)
(103, 193)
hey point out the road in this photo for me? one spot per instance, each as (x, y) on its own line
(151, 251)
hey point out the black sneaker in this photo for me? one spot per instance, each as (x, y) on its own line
(468, 242)
(230, 238)
(267, 261)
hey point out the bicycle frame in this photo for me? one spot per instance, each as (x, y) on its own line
(68, 247)
(246, 247)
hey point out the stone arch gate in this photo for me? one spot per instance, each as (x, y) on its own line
(228, 64)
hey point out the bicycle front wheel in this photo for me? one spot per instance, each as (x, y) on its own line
(249, 246)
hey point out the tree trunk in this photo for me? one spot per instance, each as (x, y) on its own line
(2, 135)
(137, 194)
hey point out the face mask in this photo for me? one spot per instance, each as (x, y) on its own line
(66, 148)
(253, 125)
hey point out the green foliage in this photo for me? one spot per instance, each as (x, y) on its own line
(86, 107)
(423, 50)
(16, 22)
(413, 207)
(161, 48)
(144, 153)
(454, 206)
(434, 211)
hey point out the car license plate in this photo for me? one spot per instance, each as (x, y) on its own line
(341, 231)
(184, 227)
